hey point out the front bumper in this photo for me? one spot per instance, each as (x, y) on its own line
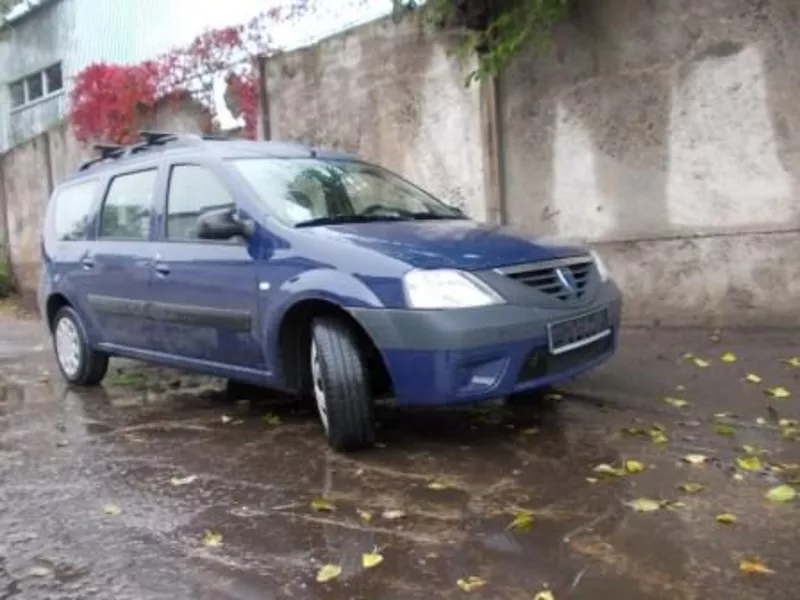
(468, 355)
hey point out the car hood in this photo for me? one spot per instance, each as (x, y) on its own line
(457, 243)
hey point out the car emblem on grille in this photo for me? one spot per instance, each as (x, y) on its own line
(568, 281)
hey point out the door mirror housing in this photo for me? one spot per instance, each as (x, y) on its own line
(223, 224)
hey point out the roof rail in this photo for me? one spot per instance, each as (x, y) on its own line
(150, 140)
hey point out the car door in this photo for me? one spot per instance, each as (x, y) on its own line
(116, 280)
(205, 295)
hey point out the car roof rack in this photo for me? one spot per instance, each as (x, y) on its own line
(150, 141)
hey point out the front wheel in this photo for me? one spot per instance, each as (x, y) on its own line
(78, 362)
(340, 383)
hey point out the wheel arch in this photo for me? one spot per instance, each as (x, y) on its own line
(294, 338)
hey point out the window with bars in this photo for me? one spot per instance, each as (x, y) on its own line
(36, 85)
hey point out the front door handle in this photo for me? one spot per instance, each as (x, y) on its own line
(87, 262)
(161, 268)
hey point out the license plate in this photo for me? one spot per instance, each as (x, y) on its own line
(576, 332)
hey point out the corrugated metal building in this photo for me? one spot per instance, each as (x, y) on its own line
(43, 48)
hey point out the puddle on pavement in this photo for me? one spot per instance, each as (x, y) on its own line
(67, 453)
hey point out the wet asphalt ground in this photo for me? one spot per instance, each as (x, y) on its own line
(114, 493)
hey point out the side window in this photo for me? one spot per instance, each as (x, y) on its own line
(126, 210)
(193, 190)
(72, 211)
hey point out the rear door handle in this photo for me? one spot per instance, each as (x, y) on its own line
(87, 262)
(161, 268)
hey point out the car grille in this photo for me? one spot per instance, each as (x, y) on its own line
(565, 279)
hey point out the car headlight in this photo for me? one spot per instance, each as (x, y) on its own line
(602, 270)
(447, 288)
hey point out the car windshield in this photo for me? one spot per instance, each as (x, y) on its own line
(309, 191)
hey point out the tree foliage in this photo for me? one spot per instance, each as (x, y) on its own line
(496, 31)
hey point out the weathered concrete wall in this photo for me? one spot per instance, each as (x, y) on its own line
(390, 93)
(667, 133)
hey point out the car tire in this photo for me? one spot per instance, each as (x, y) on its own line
(79, 364)
(340, 385)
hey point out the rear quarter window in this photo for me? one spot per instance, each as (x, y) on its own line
(72, 210)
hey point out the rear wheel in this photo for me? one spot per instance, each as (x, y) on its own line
(78, 362)
(340, 384)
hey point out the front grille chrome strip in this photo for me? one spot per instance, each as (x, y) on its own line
(545, 264)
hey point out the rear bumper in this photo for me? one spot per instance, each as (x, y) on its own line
(470, 355)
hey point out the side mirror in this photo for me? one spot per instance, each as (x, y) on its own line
(223, 224)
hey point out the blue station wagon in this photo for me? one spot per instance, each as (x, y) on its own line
(312, 272)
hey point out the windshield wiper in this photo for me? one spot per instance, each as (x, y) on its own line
(344, 219)
(425, 216)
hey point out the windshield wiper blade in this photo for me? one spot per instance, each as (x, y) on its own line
(344, 219)
(425, 216)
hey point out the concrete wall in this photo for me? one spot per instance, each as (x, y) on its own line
(667, 134)
(390, 93)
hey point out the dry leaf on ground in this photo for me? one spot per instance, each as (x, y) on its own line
(691, 488)
(699, 362)
(726, 518)
(749, 463)
(793, 361)
(371, 559)
(322, 505)
(212, 538)
(392, 515)
(634, 466)
(439, 484)
(606, 469)
(752, 378)
(754, 565)
(112, 510)
(695, 459)
(781, 493)
(471, 583)
(676, 402)
(778, 392)
(328, 572)
(522, 520)
(644, 505)
(544, 595)
(723, 429)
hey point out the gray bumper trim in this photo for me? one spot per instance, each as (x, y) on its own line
(467, 328)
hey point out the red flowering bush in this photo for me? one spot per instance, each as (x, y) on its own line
(110, 102)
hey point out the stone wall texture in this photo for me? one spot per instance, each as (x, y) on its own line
(666, 134)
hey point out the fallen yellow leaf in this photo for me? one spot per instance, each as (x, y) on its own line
(778, 392)
(471, 583)
(328, 572)
(522, 520)
(691, 488)
(723, 429)
(788, 423)
(695, 459)
(225, 419)
(271, 419)
(644, 504)
(633, 466)
(530, 431)
(754, 565)
(322, 505)
(212, 538)
(794, 361)
(752, 378)
(592, 479)
(393, 515)
(112, 510)
(658, 436)
(782, 493)
(728, 358)
(438, 484)
(688, 355)
(371, 559)
(606, 469)
(553, 396)
(676, 402)
(365, 516)
(749, 463)
(726, 519)
(680, 388)
(544, 595)
(699, 362)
